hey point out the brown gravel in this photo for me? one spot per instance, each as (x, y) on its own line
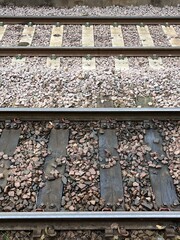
(68, 64)
(146, 235)
(171, 137)
(81, 193)
(80, 235)
(61, 235)
(25, 173)
(137, 188)
(86, 235)
(82, 176)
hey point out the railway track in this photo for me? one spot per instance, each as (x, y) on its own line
(88, 47)
(109, 170)
(66, 162)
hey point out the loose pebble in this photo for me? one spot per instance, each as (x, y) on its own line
(81, 178)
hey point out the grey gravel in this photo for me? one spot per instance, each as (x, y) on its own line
(72, 36)
(171, 62)
(84, 10)
(130, 36)
(42, 35)
(177, 29)
(107, 64)
(12, 35)
(158, 36)
(140, 62)
(102, 36)
(16, 235)
(27, 81)
(61, 235)
(69, 86)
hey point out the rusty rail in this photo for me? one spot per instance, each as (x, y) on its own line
(90, 20)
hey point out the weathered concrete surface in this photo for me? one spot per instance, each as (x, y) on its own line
(91, 3)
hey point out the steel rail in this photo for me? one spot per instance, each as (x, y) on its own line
(35, 221)
(89, 114)
(90, 215)
(90, 51)
(90, 20)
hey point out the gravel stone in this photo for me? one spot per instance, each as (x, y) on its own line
(44, 87)
(23, 178)
(72, 36)
(102, 36)
(158, 36)
(134, 167)
(80, 235)
(146, 10)
(12, 35)
(170, 134)
(42, 35)
(130, 36)
(81, 191)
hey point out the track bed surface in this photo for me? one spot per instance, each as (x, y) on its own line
(108, 173)
(104, 165)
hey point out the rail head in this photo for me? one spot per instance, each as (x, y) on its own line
(90, 19)
(90, 215)
(89, 114)
(104, 221)
(119, 52)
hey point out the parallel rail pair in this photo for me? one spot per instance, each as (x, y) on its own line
(90, 51)
(115, 224)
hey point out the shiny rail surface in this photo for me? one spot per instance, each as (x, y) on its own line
(109, 222)
(90, 215)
